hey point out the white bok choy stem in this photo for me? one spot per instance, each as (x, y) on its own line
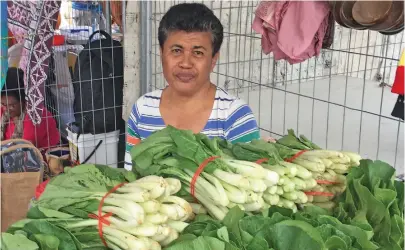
(174, 185)
(156, 218)
(165, 234)
(254, 206)
(182, 207)
(323, 153)
(198, 208)
(253, 170)
(257, 185)
(133, 210)
(172, 236)
(152, 245)
(150, 207)
(145, 230)
(209, 189)
(231, 178)
(246, 169)
(302, 172)
(234, 194)
(220, 189)
(129, 193)
(131, 241)
(156, 185)
(212, 209)
(114, 243)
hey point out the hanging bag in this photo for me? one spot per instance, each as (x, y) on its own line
(98, 86)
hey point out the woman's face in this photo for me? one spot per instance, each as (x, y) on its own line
(12, 105)
(187, 61)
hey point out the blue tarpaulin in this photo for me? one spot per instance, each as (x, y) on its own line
(3, 42)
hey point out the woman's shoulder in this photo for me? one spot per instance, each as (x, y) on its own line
(227, 101)
(151, 98)
(147, 104)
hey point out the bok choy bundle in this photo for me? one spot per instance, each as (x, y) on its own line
(294, 179)
(328, 167)
(224, 182)
(135, 213)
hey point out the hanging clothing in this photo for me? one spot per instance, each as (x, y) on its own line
(62, 87)
(32, 23)
(398, 88)
(293, 30)
(116, 11)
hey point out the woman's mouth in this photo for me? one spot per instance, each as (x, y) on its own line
(185, 77)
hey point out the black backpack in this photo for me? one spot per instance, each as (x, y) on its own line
(98, 86)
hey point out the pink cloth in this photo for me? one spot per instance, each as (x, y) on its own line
(292, 30)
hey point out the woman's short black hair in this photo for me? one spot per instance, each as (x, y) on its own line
(14, 84)
(191, 17)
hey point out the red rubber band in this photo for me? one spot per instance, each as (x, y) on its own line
(260, 161)
(314, 193)
(327, 182)
(199, 171)
(295, 156)
(102, 219)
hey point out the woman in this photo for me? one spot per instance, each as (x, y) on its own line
(190, 37)
(16, 124)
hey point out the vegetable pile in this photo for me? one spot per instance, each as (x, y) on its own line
(138, 214)
(374, 201)
(294, 179)
(216, 180)
(279, 229)
(327, 166)
(253, 176)
(307, 173)
(200, 193)
(369, 216)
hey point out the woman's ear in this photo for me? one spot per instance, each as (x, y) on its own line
(214, 60)
(161, 54)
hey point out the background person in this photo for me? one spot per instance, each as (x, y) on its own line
(16, 123)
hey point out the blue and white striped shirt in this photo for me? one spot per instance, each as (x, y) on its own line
(230, 119)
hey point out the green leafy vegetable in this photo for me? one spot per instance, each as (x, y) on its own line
(17, 242)
(279, 228)
(374, 201)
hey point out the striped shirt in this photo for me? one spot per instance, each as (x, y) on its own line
(230, 119)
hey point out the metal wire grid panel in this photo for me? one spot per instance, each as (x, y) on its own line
(112, 149)
(59, 91)
(340, 100)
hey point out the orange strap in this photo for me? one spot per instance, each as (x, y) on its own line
(102, 219)
(295, 156)
(199, 171)
(260, 161)
(315, 193)
(327, 182)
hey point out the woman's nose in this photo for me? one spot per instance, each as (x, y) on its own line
(186, 61)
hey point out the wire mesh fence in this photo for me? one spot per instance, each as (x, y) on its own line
(340, 99)
(82, 94)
